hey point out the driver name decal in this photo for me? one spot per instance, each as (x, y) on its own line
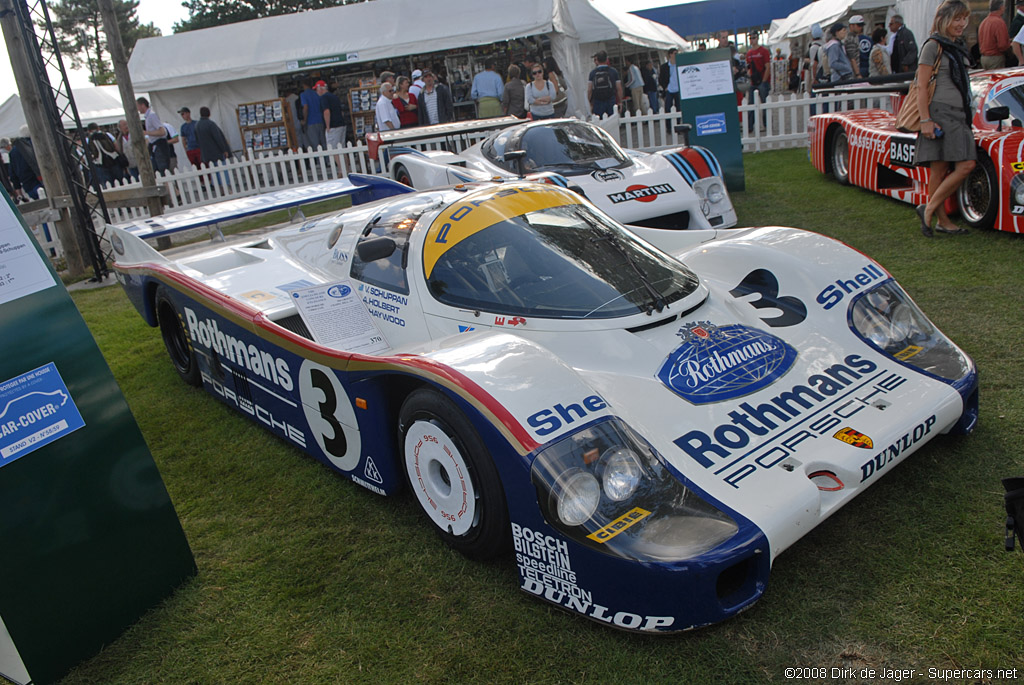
(641, 193)
(717, 363)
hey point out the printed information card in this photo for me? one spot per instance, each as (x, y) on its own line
(337, 318)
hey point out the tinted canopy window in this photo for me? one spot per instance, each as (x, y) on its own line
(559, 262)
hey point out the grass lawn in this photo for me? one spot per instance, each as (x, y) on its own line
(305, 577)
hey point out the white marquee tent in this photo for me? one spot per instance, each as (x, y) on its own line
(100, 104)
(222, 66)
(917, 15)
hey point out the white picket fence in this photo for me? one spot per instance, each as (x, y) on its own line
(785, 126)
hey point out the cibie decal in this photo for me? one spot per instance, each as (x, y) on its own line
(510, 321)
(717, 363)
(641, 193)
(624, 522)
(855, 438)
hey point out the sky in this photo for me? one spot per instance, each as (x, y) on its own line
(162, 13)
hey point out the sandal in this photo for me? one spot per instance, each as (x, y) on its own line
(952, 231)
(926, 230)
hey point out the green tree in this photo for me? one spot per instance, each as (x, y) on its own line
(82, 40)
(206, 13)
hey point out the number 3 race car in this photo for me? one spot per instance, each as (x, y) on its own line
(644, 418)
(863, 147)
(680, 188)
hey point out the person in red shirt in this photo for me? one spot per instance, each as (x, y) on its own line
(759, 60)
(994, 37)
(405, 102)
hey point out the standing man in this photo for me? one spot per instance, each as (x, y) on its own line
(334, 118)
(858, 46)
(188, 133)
(103, 153)
(759, 60)
(668, 79)
(651, 85)
(487, 91)
(213, 146)
(417, 81)
(904, 46)
(604, 88)
(25, 174)
(313, 113)
(156, 136)
(993, 37)
(435, 102)
(1017, 23)
(124, 146)
(635, 85)
(386, 114)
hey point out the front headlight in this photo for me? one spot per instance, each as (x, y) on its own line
(1018, 189)
(889, 320)
(716, 193)
(606, 488)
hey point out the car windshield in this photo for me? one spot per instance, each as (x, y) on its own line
(564, 261)
(565, 146)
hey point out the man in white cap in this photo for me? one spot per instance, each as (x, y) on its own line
(858, 46)
(417, 83)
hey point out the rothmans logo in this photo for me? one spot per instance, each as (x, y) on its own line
(641, 193)
(717, 363)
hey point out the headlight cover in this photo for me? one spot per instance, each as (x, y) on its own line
(889, 320)
(635, 508)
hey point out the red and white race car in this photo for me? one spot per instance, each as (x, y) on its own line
(864, 148)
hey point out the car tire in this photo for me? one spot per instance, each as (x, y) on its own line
(839, 156)
(978, 196)
(451, 475)
(402, 175)
(179, 347)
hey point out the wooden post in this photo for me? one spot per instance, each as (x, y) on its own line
(124, 85)
(44, 139)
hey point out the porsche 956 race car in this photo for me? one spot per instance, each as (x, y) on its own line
(644, 418)
(680, 188)
(864, 148)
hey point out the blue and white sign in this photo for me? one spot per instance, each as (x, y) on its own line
(717, 363)
(710, 124)
(35, 409)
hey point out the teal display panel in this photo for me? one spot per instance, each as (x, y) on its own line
(89, 537)
(709, 107)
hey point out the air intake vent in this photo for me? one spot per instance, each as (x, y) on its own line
(296, 325)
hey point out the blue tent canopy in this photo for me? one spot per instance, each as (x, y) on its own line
(708, 16)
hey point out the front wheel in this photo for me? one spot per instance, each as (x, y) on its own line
(179, 348)
(978, 195)
(841, 157)
(450, 472)
(402, 175)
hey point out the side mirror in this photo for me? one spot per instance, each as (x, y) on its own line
(997, 113)
(578, 190)
(375, 248)
(516, 156)
(684, 131)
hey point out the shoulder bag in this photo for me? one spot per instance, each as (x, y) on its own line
(908, 119)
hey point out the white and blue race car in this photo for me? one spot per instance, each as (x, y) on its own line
(644, 419)
(672, 189)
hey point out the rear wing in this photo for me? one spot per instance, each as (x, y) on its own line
(361, 188)
(382, 141)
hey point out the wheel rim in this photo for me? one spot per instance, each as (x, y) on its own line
(174, 338)
(403, 177)
(841, 156)
(440, 478)
(975, 195)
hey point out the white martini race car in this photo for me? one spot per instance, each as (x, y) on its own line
(673, 189)
(644, 418)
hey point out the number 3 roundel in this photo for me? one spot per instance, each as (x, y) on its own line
(330, 415)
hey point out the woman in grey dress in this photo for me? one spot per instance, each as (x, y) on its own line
(946, 141)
